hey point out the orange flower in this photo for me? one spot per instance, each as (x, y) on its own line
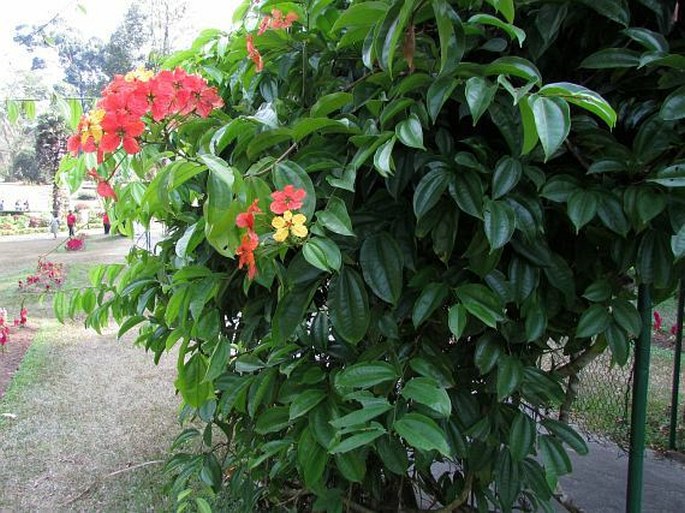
(246, 219)
(245, 253)
(254, 54)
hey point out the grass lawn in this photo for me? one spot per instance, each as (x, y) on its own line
(87, 419)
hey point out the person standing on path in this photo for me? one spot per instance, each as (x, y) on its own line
(105, 223)
(71, 223)
(54, 226)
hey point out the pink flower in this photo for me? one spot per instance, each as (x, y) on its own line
(289, 198)
(658, 321)
(246, 219)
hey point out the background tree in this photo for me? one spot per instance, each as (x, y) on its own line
(51, 146)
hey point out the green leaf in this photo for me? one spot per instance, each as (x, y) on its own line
(393, 454)
(530, 131)
(456, 320)
(598, 291)
(673, 107)
(626, 315)
(335, 218)
(428, 392)
(567, 434)
(191, 381)
(521, 436)
(593, 321)
(431, 298)
(390, 31)
(218, 360)
(362, 14)
(514, 66)
(552, 122)
(438, 93)
(652, 41)
(382, 159)
(507, 479)
(382, 260)
(479, 95)
(322, 253)
(553, 455)
(618, 342)
(678, 243)
(582, 207)
(611, 58)
(583, 97)
(352, 465)
(273, 420)
(359, 439)
(366, 375)
(488, 352)
(670, 176)
(312, 458)
(507, 174)
(499, 223)
(349, 306)
(334, 101)
(466, 189)
(615, 10)
(509, 376)
(481, 302)
(611, 214)
(422, 433)
(451, 35)
(429, 191)
(361, 416)
(202, 505)
(410, 133)
(512, 31)
(290, 311)
(305, 401)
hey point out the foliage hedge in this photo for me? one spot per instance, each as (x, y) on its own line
(473, 202)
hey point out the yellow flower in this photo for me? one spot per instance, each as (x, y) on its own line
(140, 73)
(289, 224)
(91, 126)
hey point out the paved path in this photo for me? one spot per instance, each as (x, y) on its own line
(598, 482)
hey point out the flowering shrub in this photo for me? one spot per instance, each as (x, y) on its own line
(391, 223)
(5, 326)
(75, 243)
(48, 277)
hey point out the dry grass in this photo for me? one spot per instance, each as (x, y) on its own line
(86, 406)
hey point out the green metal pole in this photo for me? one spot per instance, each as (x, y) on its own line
(638, 416)
(677, 353)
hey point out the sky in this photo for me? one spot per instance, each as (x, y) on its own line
(97, 18)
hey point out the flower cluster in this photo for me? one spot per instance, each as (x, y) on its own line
(75, 243)
(276, 20)
(118, 120)
(48, 276)
(5, 327)
(659, 322)
(286, 224)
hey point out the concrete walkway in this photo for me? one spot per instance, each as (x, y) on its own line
(598, 482)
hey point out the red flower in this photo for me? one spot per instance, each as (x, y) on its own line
(246, 219)
(289, 198)
(254, 54)
(674, 330)
(4, 334)
(658, 321)
(121, 128)
(245, 253)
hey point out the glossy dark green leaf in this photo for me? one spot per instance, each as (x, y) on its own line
(361, 416)
(507, 174)
(582, 207)
(567, 434)
(430, 299)
(678, 243)
(499, 222)
(511, 30)
(191, 381)
(552, 122)
(393, 454)
(488, 352)
(359, 439)
(673, 107)
(507, 479)
(553, 455)
(305, 401)
(583, 97)
(479, 95)
(381, 260)
(615, 10)
(335, 217)
(349, 305)
(428, 392)
(438, 93)
(410, 133)
(612, 58)
(466, 189)
(451, 35)
(290, 173)
(322, 253)
(311, 457)
(382, 159)
(514, 66)
(618, 343)
(429, 190)
(457, 319)
(593, 321)
(626, 315)
(422, 433)
(509, 376)
(481, 302)
(521, 436)
(670, 176)
(366, 375)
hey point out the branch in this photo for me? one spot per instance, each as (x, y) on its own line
(576, 153)
(581, 361)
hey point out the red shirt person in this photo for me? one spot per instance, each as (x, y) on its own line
(71, 223)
